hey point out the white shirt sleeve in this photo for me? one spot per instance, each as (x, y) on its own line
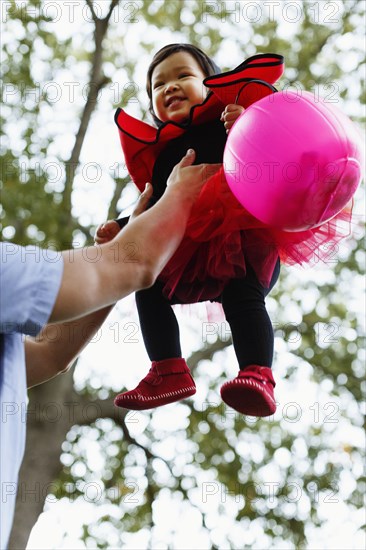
(30, 278)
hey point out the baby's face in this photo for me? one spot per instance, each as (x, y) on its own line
(176, 85)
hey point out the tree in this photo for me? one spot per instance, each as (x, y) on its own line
(246, 482)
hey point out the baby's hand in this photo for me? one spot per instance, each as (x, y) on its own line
(230, 114)
(106, 232)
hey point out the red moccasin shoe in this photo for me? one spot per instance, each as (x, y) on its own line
(251, 392)
(167, 381)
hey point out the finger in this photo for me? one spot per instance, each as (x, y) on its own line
(143, 200)
(147, 192)
(231, 117)
(188, 159)
(232, 111)
(231, 107)
(225, 112)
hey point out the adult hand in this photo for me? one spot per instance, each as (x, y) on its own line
(188, 179)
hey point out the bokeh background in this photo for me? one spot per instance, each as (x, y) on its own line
(193, 474)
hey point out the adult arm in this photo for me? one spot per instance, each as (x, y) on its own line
(136, 256)
(56, 347)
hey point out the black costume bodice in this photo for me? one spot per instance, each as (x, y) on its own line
(208, 140)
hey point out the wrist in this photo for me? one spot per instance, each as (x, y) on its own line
(181, 194)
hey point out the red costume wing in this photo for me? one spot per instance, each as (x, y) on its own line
(248, 82)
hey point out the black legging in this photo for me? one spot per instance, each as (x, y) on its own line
(243, 301)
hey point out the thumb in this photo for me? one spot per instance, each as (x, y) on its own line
(143, 200)
(189, 158)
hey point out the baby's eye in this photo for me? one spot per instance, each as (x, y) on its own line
(157, 85)
(183, 75)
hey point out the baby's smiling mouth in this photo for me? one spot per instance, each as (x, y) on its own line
(174, 100)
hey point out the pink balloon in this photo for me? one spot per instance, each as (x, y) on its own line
(293, 162)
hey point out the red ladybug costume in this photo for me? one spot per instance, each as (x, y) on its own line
(226, 254)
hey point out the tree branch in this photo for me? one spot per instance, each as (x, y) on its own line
(120, 185)
(114, 3)
(106, 409)
(73, 162)
(91, 7)
(206, 353)
(132, 440)
(96, 82)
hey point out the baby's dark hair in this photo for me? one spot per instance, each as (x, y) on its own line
(208, 66)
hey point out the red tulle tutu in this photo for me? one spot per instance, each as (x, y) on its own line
(221, 236)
